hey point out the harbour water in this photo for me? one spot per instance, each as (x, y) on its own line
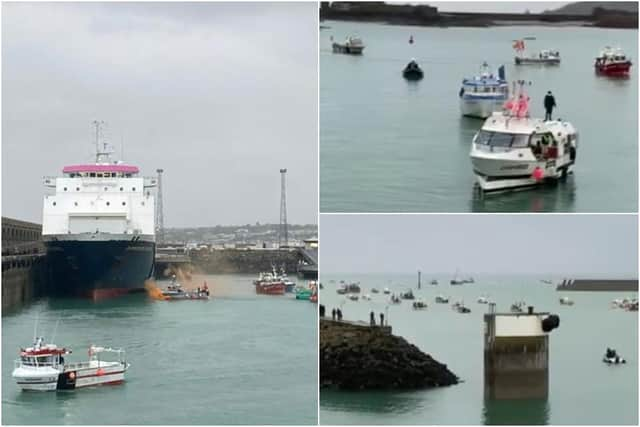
(388, 145)
(582, 389)
(239, 358)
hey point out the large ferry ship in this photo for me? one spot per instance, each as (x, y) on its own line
(98, 227)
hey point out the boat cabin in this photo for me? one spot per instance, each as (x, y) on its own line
(42, 355)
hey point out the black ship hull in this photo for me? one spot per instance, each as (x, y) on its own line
(99, 269)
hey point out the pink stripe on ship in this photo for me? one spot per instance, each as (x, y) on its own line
(100, 168)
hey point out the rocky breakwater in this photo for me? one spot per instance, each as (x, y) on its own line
(360, 357)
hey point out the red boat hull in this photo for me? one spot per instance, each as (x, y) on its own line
(617, 69)
(270, 288)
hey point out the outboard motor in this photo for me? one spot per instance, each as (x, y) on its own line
(550, 323)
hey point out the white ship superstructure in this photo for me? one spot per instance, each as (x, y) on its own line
(99, 226)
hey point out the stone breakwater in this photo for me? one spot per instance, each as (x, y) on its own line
(360, 357)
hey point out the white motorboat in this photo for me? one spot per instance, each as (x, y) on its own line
(419, 305)
(352, 46)
(565, 301)
(386, 291)
(43, 368)
(544, 57)
(513, 151)
(483, 300)
(441, 299)
(482, 95)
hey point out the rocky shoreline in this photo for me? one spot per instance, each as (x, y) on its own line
(359, 357)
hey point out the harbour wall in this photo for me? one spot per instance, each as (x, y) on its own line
(598, 285)
(244, 261)
(23, 263)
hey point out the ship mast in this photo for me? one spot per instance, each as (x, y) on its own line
(103, 151)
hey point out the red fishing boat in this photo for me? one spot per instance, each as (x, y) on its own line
(612, 62)
(269, 284)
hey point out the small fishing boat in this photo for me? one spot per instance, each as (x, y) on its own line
(441, 299)
(565, 301)
(43, 368)
(482, 95)
(395, 300)
(468, 280)
(351, 46)
(456, 280)
(353, 297)
(483, 300)
(174, 292)
(544, 57)
(513, 151)
(366, 297)
(289, 285)
(303, 293)
(419, 305)
(611, 357)
(386, 291)
(270, 284)
(407, 295)
(518, 307)
(612, 62)
(374, 291)
(546, 282)
(461, 308)
(434, 282)
(412, 71)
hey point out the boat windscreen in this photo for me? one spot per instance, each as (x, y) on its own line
(501, 139)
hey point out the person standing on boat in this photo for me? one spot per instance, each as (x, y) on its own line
(549, 103)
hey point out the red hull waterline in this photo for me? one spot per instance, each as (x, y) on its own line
(271, 289)
(614, 69)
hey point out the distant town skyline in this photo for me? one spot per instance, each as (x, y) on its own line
(589, 245)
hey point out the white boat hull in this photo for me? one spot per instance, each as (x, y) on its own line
(74, 376)
(479, 107)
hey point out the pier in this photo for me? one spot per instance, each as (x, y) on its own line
(599, 285)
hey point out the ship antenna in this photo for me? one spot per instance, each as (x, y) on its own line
(35, 328)
(55, 330)
(97, 124)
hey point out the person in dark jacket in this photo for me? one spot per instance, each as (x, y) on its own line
(549, 103)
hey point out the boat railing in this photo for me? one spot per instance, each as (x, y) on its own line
(77, 365)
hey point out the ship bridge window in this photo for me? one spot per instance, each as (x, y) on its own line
(99, 175)
(501, 139)
(92, 174)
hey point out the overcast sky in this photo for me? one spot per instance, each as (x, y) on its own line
(220, 95)
(497, 6)
(480, 244)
